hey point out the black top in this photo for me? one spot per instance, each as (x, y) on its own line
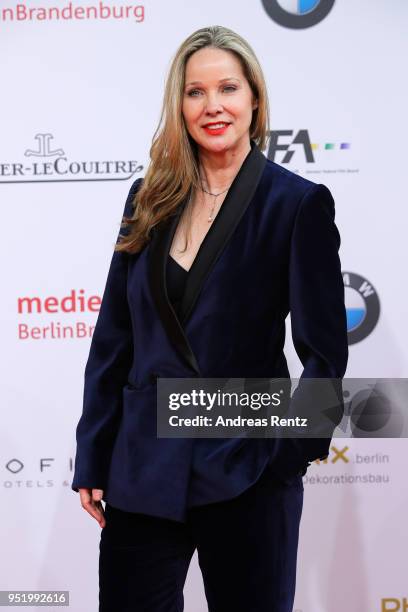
(176, 277)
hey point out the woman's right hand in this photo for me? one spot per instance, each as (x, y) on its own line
(91, 502)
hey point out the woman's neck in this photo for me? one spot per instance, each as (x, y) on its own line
(218, 170)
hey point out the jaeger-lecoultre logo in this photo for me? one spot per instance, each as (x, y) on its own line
(46, 163)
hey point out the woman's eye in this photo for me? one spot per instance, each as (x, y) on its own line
(192, 92)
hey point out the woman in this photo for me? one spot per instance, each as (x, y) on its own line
(219, 244)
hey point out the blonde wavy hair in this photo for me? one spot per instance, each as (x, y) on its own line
(173, 172)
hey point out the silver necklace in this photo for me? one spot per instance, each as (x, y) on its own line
(211, 218)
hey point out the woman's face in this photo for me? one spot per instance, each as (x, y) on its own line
(217, 92)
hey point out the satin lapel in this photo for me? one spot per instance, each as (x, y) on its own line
(158, 253)
(234, 206)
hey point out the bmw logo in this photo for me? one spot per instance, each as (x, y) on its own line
(297, 14)
(362, 306)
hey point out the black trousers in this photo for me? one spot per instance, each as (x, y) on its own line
(247, 551)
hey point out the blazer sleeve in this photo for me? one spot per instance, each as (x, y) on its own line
(106, 371)
(318, 316)
(319, 331)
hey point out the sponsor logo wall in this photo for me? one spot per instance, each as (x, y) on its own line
(82, 92)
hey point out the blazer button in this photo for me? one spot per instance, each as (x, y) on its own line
(153, 377)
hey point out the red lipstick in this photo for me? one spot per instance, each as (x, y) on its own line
(216, 131)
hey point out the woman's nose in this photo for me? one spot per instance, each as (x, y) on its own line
(213, 104)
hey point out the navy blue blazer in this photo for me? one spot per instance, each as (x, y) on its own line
(272, 248)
